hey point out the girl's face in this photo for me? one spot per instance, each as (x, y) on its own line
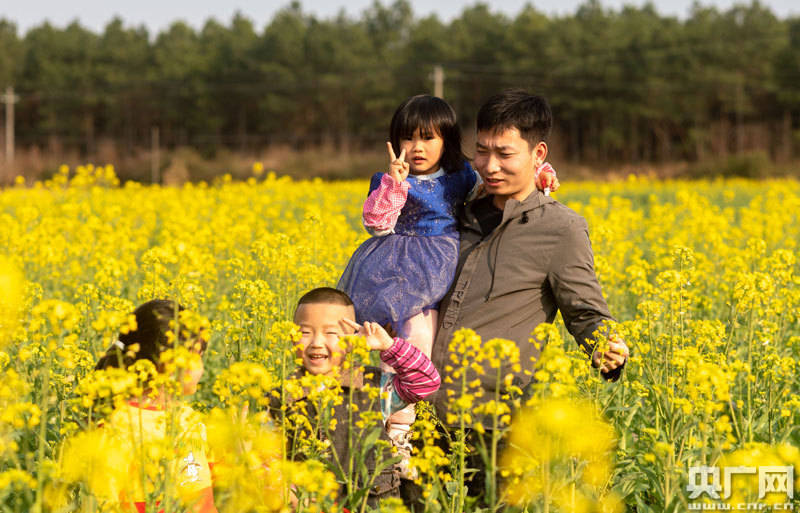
(423, 151)
(191, 378)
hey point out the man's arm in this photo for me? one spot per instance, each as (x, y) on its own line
(579, 297)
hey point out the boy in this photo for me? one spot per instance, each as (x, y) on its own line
(324, 316)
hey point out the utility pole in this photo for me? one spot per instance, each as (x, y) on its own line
(438, 81)
(9, 98)
(739, 113)
(155, 163)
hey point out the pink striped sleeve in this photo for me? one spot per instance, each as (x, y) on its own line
(384, 204)
(416, 377)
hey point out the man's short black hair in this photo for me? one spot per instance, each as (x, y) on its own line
(325, 295)
(516, 108)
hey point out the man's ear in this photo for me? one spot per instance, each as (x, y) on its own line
(539, 153)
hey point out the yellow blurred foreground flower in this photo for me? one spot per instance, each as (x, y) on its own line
(101, 461)
(11, 299)
(250, 473)
(759, 465)
(560, 453)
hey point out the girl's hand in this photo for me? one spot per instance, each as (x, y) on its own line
(398, 167)
(546, 179)
(377, 338)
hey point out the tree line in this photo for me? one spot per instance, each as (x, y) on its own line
(627, 85)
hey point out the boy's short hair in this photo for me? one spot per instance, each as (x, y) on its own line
(516, 108)
(326, 295)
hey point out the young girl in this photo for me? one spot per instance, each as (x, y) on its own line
(399, 275)
(158, 417)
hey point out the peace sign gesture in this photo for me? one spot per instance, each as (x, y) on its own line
(398, 167)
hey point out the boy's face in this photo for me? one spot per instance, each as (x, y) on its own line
(507, 164)
(320, 327)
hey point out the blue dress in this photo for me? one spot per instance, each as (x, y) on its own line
(396, 276)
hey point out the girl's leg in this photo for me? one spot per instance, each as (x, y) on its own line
(419, 331)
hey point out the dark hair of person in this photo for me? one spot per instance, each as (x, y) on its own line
(153, 322)
(432, 116)
(325, 295)
(516, 108)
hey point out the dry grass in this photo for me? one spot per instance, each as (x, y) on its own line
(187, 164)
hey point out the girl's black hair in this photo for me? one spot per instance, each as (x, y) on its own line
(152, 324)
(431, 115)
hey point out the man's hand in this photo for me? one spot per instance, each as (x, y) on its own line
(390, 329)
(615, 357)
(546, 179)
(376, 336)
(398, 167)
(480, 192)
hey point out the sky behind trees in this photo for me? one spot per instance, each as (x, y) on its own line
(157, 15)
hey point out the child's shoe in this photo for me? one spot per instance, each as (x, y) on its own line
(400, 435)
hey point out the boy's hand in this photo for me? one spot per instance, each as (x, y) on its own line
(398, 167)
(546, 179)
(376, 336)
(615, 356)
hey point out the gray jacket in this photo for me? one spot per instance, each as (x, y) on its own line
(537, 261)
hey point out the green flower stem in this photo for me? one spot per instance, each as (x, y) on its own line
(43, 408)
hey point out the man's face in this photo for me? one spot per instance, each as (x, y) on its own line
(507, 164)
(319, 343)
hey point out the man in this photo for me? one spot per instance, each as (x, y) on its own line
(523, 255)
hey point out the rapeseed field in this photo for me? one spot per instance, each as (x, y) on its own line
(703, 278)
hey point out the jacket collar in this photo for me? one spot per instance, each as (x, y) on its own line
(513, 209)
